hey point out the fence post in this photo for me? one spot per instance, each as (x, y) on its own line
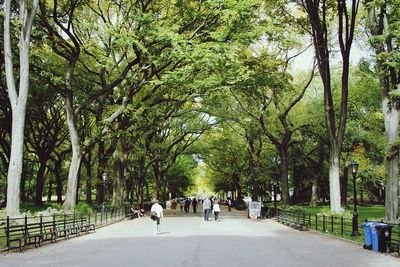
(323, 223)
(309, 220)
(316, 221)
(54, 223)
(332, 224)
(8, 231)
(41, 224)
(26, 225)
(341, 225)
(101, 217)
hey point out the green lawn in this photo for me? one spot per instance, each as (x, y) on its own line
(373, 212)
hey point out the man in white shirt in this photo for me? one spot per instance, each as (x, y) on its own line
(157, 210)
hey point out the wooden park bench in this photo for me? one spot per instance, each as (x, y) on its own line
(24, 235)
(393, 244)
(72, 226)
(19, 236)
(291, 219)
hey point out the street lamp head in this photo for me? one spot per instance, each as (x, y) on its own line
(104, 176)
(354, 167)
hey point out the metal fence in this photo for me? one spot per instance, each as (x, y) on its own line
(100, 219)
(335, 225)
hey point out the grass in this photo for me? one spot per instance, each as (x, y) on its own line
(373, 212)
(370, 212)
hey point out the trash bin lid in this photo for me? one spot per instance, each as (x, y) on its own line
(367, 224)
(382, 226)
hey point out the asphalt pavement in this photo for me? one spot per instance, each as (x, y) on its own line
(188, 240)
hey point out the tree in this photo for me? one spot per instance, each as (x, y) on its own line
(383, 25)
(318, 14)
(18, 98)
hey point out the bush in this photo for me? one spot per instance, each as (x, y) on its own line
(83, 208)
(240, 205)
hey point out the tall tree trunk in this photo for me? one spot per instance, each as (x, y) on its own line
(118, 183)
(17, 99)
(101, 168)
(392, 116)
(49, 191)
(57, 170)
(89, 180)
(157, 177)
(284, 176)
(70, 196)
(23, 187)
(344, 182)
(317, 12)
(314, 193)
(378, 23)
(40, 183)
(334, 180)
(78, 197)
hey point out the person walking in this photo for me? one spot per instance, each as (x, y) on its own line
(174, 204)
(187, 205)
(206, 208)
(194, 204)
(156, 216)
(229, 204)
(216, 209)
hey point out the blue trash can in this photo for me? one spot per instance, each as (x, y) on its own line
(368, 234)
(375, 238)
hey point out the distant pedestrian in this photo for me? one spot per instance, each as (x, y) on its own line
(181, 204)
(174, 204)
(229, 204)
(156, 216)
(194, 205)
(206, 208)
(216, 209)
(187, 205)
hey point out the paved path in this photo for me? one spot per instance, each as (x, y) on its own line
(190, 241)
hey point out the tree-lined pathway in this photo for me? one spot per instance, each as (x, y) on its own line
(187, 240)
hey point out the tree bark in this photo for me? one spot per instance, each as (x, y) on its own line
(317, 12)
(334, 180)
(344, 182)
(17, 99)
(314, 193)
(378, 23)
(89, 180)
(49, 191)
(118, 182)
(70, 196)
(284, 176)
(40, 183)
(392, 163)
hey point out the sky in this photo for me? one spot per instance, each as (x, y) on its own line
(305, 60)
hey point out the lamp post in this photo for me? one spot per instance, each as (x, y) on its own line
(354, 169)
(104, 176)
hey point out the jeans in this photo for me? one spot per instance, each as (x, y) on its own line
(206, 214)
(216, 213)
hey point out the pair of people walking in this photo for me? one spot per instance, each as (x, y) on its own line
(209, 206)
